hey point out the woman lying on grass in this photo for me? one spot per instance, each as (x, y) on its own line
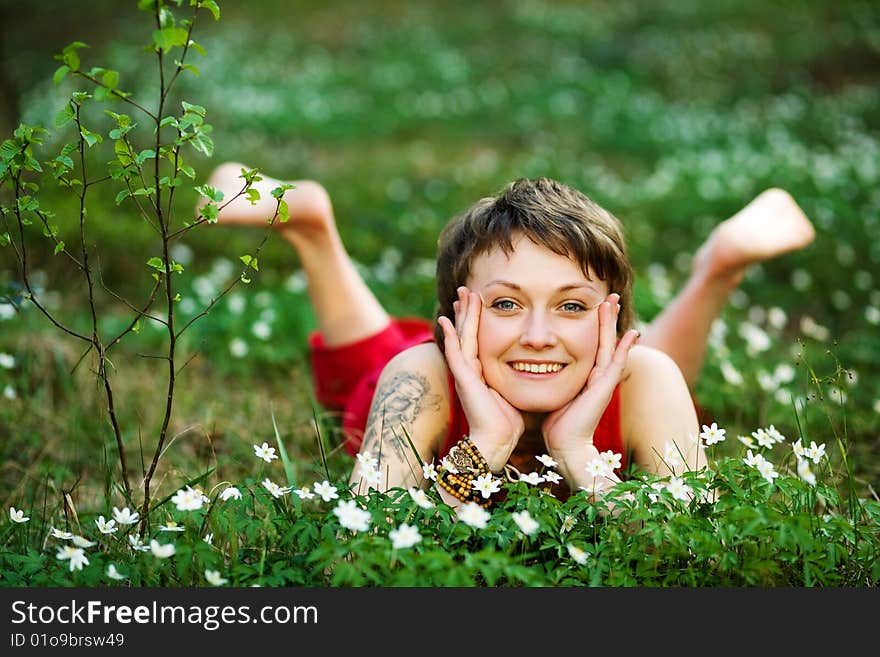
(531, 365)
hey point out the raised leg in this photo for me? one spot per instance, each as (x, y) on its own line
(771, 225)
(346, 309)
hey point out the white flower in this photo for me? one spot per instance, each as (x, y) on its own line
(748, 441)
(767, 471)
(568, 524)
(598, 467)
(815, 452)
(325, 490)
(187, 499)
(730, 373)
(576, 553)
(7, 361)
(161, 551)
(106, 526)
(473, 515)
(532, 478)
(9, 392)
(595, 486)
(775, 434)
(275, 489)
(351, 516)
(77, 557)
(486, 484)
(82, 542)
(238, 348)
(552, 477)
(57, 533)
(654, 490)
(753, 459)
(17, 516)
(678, 489)
(611, 459)
(404, 536)
(367, 460)
(262, 330)
(804, 472)
(214, 579)
(230, 491)
(799, 449)
(420, 497)
(134, 540)
(171, 526)
(265, 452)
(712, 434)
(527, 525)
(369, 474)
(672, 455)
(429, 471)
(112, 573)
(209, 538)
(303, 493)
(547, 460)
(763, 438)
(125, 516)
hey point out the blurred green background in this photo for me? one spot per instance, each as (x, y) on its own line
(672, 115)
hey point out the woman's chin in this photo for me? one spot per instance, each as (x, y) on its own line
(537, 403)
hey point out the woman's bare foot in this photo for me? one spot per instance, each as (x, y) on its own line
(771, 225)
(308, 202)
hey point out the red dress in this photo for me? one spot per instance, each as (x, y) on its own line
(345, 379)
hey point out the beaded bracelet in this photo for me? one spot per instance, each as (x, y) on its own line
(466, 464)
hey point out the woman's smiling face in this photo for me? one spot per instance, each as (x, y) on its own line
(539, 326)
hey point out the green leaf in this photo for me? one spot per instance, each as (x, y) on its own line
(196, 109)
(64, 116)
(211, 6)
(121, 196)
(210, 192)
(169, 37)
(60, 73)
(146, 154)
(59, 248)
(156, 263)
(197, 47)
(110, 79)
(250, 261)
(4, 239)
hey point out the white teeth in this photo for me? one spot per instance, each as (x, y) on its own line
(535, 368)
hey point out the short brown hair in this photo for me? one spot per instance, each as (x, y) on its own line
(550, 214)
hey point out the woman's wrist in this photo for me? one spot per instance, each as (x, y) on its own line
(496, 453)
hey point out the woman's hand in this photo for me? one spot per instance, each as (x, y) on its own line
(495, 425)
(568, 432)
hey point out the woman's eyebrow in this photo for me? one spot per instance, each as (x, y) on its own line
(561, 288)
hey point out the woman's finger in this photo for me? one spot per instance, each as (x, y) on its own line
(471, 327)
(608, 313)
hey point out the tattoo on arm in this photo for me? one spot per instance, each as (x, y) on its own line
(395, 407)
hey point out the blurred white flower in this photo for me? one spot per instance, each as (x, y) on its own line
(214, 579)
(113, 573)
(262, 330)
(547, 460)
(77, 557)
(804, 472)
(238, 348)
(404, 536)
(730, 373)
(161, 551)
(276, 490)
(679, 489)
(325, 490)
(527, 525)
(577, 554)
(7, 361)
(9, 391)
(187, 499)
(473, 515)
(351, 516)
(420, 497)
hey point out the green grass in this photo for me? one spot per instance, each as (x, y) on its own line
(673, 117)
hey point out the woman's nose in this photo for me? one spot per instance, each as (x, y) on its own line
(537, 333)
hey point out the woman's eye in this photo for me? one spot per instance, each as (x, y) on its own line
(505, 305)
(573, 307)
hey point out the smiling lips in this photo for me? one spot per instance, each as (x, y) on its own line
(537, 368)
